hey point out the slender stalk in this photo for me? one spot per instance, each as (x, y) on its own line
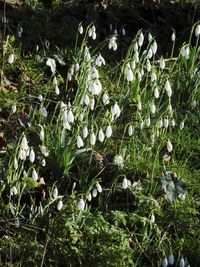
(3, 40)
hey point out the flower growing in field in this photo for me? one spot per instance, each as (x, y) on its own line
(113, 43)
(81, 204)
(11, 58)
(119, 161)
(169, 146)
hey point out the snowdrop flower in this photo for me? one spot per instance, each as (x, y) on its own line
(87, 100)
(22, 154)
(42, 134)
(170, 109)
(92, 103)
(101, 135)
(182, 125)
(149, 37)
(44, 112)
(182, 262)
(153, 77)
(153, 108)
(80, 28)
(162, 63)
(94, 192)
(100, 61)
(55, 193)
(168, 88)
(92, 139)
(123, 31)
(119, 161)
(173, 37)
(185, 52)
(40, 97)
(197, 30)
(32, 155)
(115, 110)
(76, 67)
(14, 108)
(89, 197)
(57, 91)
(130, 130)
(160, 123)
(60, 205)
(113, 43)
(79, 142)
(165, 262)
(156, 92)
(87, 55)
(105, 99)
(96, 87)
(133, 65)
(153, 218)
(93, 72)
(15, 164)
(99, 188)
(11, 58)
(173, 123)
(19, 33)
(52, 64)
(43, 162)
(150, 53)
(81, 204)
(129, 73)
(169, 146)
(171, 259)
(14, 190)
(85, 132)
(166, 123)
(24, 143)
(108, 131)
(139, 105)
(70, 116)
(154, 47)
(136, 47)
(141, 124)
(34, 175)
(44, 151)
(148, 65)
(59, 60)
(141, 39)
(125, 183)
(148, 121)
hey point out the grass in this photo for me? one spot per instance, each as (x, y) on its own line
(84, 146)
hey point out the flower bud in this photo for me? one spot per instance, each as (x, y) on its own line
(81, 204)
(60, 205)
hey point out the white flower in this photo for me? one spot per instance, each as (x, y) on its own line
(154, 47)
(57, 91)
(60, 60)
(169, 146)
(94, 192)
(173, 123)
(96, 87)
(42, 134)
(123, 31)
(162, 63)
(165, 262)
(197, 30)
(24, 143)
(14, 108)
(173, 37)
(87, 100)
(100, 61)
(85, 132)
(43, 162)
(156, 92)
(92, 139)
(113, 43)
(40, 97)
(19, 33)
(44, 112)
(108, 131)
(115, 110)
(133, 64)
(81, 204)
(182, 262)
(99, 188)
(129, 75)
(14, 190)
(130, 130)
(101, 135)
(153, 108)
(87, 55)
(148, 121)
(141, 124)
(79, 142)
(92, 104)
(149, 37)
(32, 155)
(185, 52)
(153, 77)
(125, 183)
(153, 218)
(168, 88)
(148, 65)
(166, 123)
(52, 64)
(119, 161)
(182, 125)
(89, 197)
(141, 39)
(22, 154)
(139, 105)
(55, 193)
(70, 116)
(80, 29)
(105, 99)
(171, 259)
(15, 164)
(60, 205)
(170, 109)
(160, 123)
(150, 53)
(11, 58)
(44, 151)
(34, 175)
